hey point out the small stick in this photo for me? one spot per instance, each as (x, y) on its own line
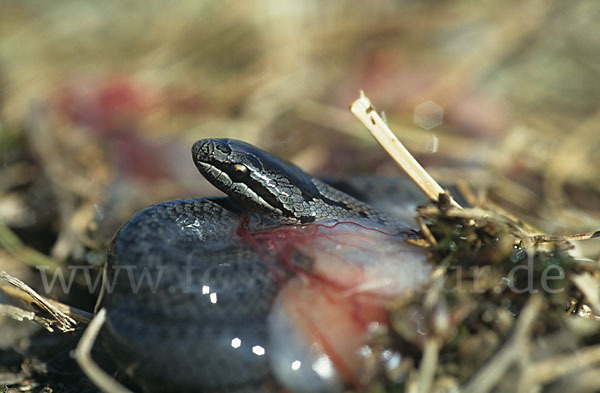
(590, 288)
(546, 371)
(83, 356)
(425, 231)
(364, 111)
(428, 365)
(15, 247)
(515, 348)
(64, 322)
(20, 315)
(562, 238)
(75, 313)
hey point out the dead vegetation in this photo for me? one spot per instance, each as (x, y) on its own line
(97, 113)
(499, 299)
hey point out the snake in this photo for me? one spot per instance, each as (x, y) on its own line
(189, 297)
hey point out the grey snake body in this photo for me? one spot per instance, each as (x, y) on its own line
(181, 283)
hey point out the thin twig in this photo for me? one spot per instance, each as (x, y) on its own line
(546, 371)
(425, 231)
(14, 246)
(590, 288)
(21, 315)
(565, 238)
(364, 111)
(428, 365)
(488, 376)
(75, 313)
(64, 322)
(83, 356)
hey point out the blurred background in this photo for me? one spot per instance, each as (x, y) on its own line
(100, 103)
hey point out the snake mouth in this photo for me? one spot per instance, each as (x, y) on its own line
(211, 157)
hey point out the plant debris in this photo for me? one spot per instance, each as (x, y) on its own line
(97, 113)
(496, 305)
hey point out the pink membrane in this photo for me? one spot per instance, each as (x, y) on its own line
(355, 269)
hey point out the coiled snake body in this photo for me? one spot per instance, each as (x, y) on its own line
(188, 299)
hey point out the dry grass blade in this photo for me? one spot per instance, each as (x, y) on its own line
(11, 243)
(544, 372)
(63, 321)
(495, 369)
(590, 288)
(428, 365)
(20, 315)
(84, 358)
(75, 313)
(479, 214)
(563, 238)
(364, 111)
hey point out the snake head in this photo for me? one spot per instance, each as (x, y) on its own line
(257, 180)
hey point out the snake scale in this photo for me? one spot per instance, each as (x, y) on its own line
(188, 300)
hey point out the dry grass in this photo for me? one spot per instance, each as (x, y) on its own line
(477, 251)
(98, 110)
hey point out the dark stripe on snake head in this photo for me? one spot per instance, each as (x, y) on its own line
(265, 175)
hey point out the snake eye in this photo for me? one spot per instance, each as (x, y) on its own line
(239, 172)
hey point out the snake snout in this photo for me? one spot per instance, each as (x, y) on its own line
(209, 150)
(203, 150)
